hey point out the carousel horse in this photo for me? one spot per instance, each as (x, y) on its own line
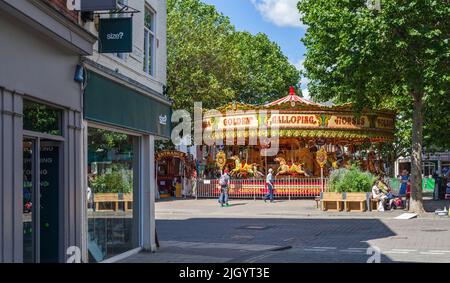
(256, 173)
(285, 169)
(241, 169)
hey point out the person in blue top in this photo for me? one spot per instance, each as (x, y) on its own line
(269, 182)
(405, 179)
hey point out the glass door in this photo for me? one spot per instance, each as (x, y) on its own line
(41, 167)
(29, 185)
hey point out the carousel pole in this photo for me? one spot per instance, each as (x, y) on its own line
(321, 179)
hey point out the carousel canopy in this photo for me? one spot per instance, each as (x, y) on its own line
(296, 117)
(292, 98)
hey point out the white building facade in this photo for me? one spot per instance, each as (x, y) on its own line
(125, 112)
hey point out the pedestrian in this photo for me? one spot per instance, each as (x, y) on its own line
(194, 184)
(378, 195)
(224, 182)
(404, 180)
(269, 183)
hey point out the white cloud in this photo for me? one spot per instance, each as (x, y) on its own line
(283, 13)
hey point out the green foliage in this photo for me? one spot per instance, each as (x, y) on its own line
(41, 118)
(209, 61)
(104, 140)
(351, 180)
(382, 58)
(116, 180)
(266, 71)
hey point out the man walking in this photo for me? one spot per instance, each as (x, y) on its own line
(224, 181)
(269, 183)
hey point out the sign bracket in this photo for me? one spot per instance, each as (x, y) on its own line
(124, 9)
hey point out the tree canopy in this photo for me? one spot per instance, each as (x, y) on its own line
(396, 57)
(209, 61)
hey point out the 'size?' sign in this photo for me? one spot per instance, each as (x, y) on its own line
(115, 35)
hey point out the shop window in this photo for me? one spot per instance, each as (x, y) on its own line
(113, 168)
(41, 118)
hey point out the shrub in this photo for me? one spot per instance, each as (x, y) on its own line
(351, 180)
(116, 181)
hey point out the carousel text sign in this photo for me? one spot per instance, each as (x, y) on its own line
(298, 121)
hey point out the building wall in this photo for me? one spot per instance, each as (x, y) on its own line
(11, 170)
(61, 6)
(32, 63)
(36, 64)
(132, 65)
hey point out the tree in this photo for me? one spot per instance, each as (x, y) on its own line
(395, 56)
(201, 61)
(209, 61)
(267, 73)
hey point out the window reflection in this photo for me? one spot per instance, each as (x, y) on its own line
(111, 218)
(41, 118)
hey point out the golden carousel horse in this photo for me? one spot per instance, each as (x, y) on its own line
(242, 169)
(285, 169)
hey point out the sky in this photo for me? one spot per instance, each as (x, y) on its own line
(279, 19)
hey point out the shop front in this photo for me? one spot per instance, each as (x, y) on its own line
(174, 172)
(122, 123)
(40, 122)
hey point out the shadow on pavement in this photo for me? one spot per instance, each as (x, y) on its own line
(313, 240)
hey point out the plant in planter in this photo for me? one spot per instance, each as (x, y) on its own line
(116, 180)
(351, 180)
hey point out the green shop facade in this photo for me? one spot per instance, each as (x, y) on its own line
(122, 121)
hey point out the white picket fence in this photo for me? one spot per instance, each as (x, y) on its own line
(288, 188)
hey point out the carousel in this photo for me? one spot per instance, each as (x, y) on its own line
(173, 167)
(312, 140)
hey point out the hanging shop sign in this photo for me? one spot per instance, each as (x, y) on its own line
(115, 35)
(97, 5)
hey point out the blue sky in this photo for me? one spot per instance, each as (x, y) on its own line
(279, 19)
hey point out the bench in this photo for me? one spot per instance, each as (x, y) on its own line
(112, 198)
(332, 201)
(359, 199)
(128, 200)
(373, 203)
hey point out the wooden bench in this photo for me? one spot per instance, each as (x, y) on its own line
(332, 201)
(114, 199)
(355, 198)
(373, 203)
(128, 200)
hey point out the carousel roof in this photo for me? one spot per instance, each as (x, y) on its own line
(292, 97)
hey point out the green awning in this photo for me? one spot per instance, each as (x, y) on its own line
(108, 102)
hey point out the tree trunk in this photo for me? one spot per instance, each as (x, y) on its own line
(416, 204)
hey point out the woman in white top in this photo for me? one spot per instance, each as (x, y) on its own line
(378, 196)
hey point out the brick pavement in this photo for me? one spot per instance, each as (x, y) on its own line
(200, 231)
